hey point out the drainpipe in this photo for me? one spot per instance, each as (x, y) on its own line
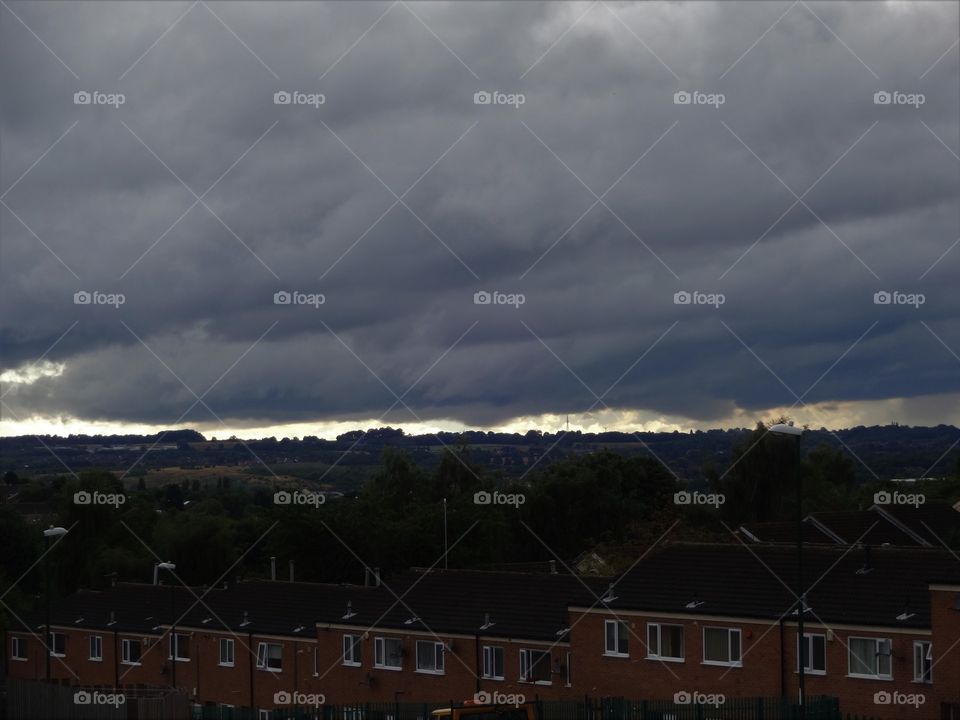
(198, 665)
(252, 657)
(476, 660)
(116, 660)
(783, 669)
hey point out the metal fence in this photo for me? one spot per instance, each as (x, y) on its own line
(31, 700)
(818, 708)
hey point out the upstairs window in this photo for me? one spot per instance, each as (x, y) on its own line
(923, 661)
(721, 646)
(664, 642)
(351, 650)
(492, 662)
(870, 658)
(616, 638)
(430, 657)
(535, 666)
(96, 648)
(388, 653)
(269, 656)
(812, 652)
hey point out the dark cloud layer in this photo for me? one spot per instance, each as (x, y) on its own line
(492, 197)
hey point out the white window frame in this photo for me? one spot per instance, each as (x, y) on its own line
(657, 628)
(52, 640)
(96, 648)
(527, 663)
(438, 651)
(352, 650)
(226, 644)
(263, 657)
(125, 645)
(490, 655)
(621, 634)
(809, 669)
(568, 668)
(18, 645)
(175, 641)
(380, 653)
(877, 641)
(730, 632)
(923, 651)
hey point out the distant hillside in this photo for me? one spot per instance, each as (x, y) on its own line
(890, 451)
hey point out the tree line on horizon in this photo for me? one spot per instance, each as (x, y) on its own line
(396, 519)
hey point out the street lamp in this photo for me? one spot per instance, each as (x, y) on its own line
(50, 533)
(790, 430)
(174, 649)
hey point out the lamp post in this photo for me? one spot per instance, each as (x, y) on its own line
(50, 533)
(790, 430)
(174, 649)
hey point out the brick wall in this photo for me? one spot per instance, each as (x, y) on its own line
(314, 664)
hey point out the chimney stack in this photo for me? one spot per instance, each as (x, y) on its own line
(273, 567)
(291, 571)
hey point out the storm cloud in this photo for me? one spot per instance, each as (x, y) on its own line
(789, 168)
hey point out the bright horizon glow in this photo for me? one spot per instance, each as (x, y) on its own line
(925, 411)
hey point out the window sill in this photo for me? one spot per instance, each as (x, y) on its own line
(352, 664)
(536, 682)
(665, 659)
(430, 672)
(492, 677)
(270, 669)
(19, 659)
(616, 655)
(132, 664)
(99, 659)
(711, 663)
(387, 667)
(882, 678)
(810, 672)
(226, 665)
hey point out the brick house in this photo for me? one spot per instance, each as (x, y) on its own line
(700, 619)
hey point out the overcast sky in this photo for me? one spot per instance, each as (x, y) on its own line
(583, 198)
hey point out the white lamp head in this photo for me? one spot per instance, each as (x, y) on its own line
(786, 429)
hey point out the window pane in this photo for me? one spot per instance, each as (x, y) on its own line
(716, 647)
(426, 656)
(862, 656)
(611, 643)
(653, 645)
(671, 640)
(623, 637)
(819, 653)
(734, 646)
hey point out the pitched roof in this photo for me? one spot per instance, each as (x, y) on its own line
(521, 605)
(127, 607)
(936, 522)
(930, 524)
(886, 587)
